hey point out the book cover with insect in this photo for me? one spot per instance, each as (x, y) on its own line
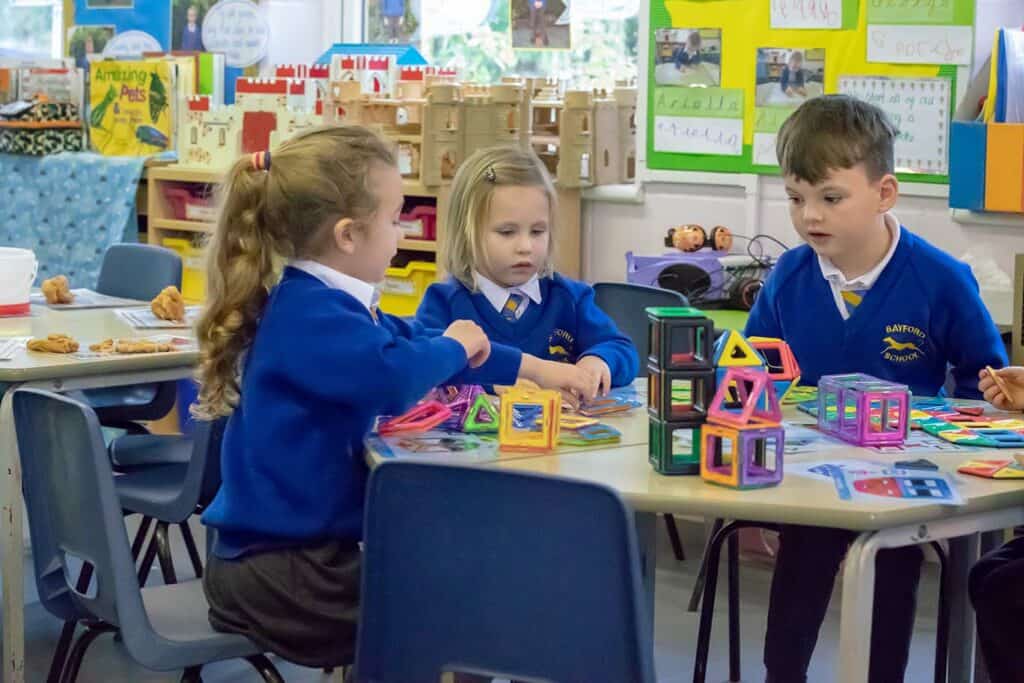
(132, 107)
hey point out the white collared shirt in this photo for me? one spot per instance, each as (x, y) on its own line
(498, 295)
(364, 292)
(838, 282)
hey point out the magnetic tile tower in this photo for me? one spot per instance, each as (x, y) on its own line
(680, 384)
(743, 440)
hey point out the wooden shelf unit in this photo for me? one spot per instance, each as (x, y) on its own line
(162, 223)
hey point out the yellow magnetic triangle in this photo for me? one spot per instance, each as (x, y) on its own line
(737, 352)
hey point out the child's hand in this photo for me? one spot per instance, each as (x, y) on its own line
(600, 374)
(1006, 392)
(569, 379)
(473, 340)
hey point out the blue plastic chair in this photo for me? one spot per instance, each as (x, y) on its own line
(135, 271)
(625, 303)
(499, 574)
(74, 514)
(170, 494)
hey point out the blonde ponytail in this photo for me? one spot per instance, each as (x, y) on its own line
(266, 216)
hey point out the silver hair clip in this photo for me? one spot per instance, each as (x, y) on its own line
(491, 176)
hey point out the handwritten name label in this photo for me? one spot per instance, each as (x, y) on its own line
(725, 103)
(807, 13)
(910, 11)
(764, 149)
(239, 29)
(920, 44)
(698, 135)
(770, 119)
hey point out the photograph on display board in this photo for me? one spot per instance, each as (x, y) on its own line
(187, 24)
(688, 56)
(540, 24)
(789, 77)
(86, 43)
(395, 22)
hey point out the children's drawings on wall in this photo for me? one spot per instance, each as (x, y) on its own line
(920, 44)
(807, 14)
(919, 108)
(698, 120)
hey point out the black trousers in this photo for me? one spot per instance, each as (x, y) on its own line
(299, 603)
(805, 573)
(997, 592)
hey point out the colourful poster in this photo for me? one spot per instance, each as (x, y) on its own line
(132, 107)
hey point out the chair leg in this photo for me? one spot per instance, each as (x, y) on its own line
(60, 655)
(163, 553)
(140, 536)
(67, 633)
(147, 561)
(265, 669)
(698, 586)
(191, 675)
(942, 623)
(673, 537)
(190, 545)
(733, 559)
(712, 558)
(77, 654)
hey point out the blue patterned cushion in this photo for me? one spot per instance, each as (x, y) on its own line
(68, 208)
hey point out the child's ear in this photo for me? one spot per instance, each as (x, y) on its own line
(888, 192)
(344, 235)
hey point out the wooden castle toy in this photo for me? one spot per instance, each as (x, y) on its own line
(211, 135)
(493, 115)
(863, 410)
(530, 420)
(680, 384)
(743, 447)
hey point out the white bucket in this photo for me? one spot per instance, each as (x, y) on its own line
(18, 269)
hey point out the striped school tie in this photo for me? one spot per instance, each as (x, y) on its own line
(852, 299)
(512, 304)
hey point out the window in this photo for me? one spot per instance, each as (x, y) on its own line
(473, 36)
(30, 28)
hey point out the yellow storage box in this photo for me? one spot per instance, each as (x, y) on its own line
(193, 269)
(403, 288)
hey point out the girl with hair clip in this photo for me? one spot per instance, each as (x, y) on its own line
(304, 363)
(500, 251)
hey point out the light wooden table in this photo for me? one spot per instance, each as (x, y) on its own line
(56, 372)
(990, 505)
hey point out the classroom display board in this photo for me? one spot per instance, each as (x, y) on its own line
(723, 75)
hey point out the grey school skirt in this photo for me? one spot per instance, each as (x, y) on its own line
(299, 603)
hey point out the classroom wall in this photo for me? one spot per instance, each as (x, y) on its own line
(610, 229)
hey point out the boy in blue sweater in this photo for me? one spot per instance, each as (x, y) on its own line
(864, 294)
(304, 370)
(499, 251)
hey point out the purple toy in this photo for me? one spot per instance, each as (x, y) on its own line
(863, 410)
(745, 458)
(458, 399)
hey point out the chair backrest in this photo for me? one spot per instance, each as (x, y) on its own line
(73, 510)
(138, 271)
(512, 575)
(625, 303)
(208, 437)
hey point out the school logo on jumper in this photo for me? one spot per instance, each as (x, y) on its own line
(561, 346)
(904, 343)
